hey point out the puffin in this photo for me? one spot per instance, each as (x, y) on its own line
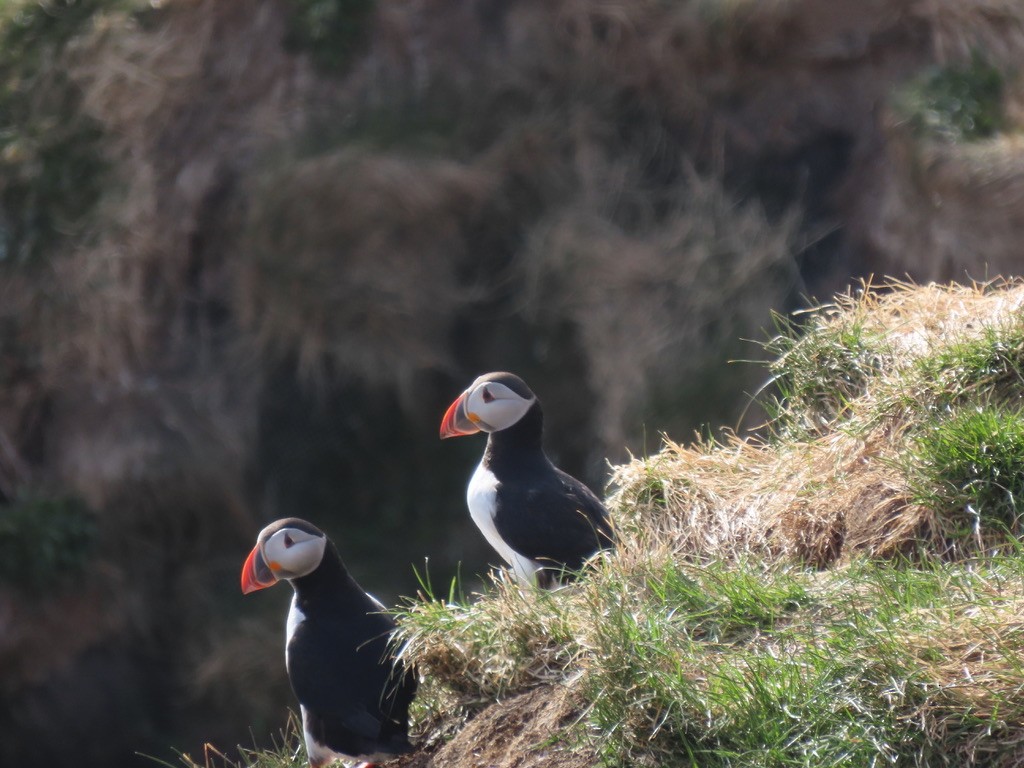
(543, 522)
(354, 692)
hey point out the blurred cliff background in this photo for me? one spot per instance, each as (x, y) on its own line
(251, 249)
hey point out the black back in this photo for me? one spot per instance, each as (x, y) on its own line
(542, 512)
(342, 669)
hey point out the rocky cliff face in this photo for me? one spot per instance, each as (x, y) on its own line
(252, 249)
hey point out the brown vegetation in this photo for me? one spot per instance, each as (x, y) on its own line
(844, 493)
(516, 733)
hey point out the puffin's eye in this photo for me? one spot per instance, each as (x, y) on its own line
(288, 541)
(487, 396)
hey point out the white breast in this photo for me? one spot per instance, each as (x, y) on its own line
(295, 618)
(481, 497)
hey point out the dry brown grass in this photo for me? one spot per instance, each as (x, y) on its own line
(813, 501)
(842, 490)
(522, 730)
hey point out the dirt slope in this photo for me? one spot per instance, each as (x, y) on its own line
(516, 733)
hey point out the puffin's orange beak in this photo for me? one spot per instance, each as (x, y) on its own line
(456, 422)
(255, 573)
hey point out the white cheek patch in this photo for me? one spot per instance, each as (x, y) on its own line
(302, 557)
(482, 498)
(504, 410)
(501, 414)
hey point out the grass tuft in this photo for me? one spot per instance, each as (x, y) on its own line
(969, 472)
(987, 367)
(287, 751)
(509, 640)
(819, 369)
(864, 664)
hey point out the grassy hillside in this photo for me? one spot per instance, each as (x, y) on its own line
(848, 590)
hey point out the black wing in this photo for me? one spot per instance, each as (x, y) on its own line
(343, 673)
(555, 518)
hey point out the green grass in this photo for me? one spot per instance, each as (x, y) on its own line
(666, 679)
(987, 367)
(969, 470)
(820, 366)
(755, 665)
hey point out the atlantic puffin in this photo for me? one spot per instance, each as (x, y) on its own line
(354, 694)
(543, 522)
